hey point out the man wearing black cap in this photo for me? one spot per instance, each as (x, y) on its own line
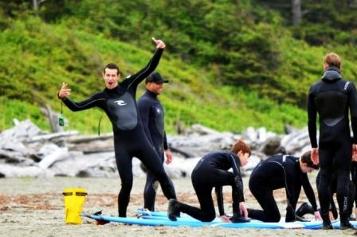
(152, 115)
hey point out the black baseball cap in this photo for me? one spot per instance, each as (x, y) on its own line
(156, 78)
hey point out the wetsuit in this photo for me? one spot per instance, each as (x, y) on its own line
(152, 115)
(212, 171)
(129, 137)
(354, 182)
(279, 171)
(333, 98)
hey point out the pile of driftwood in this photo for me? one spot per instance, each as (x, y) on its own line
(26, 150)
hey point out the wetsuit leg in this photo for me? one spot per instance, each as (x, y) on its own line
(203, 189)
(152, 162)
(265, 198)
(206, 212)
(150, 192)
(150, 189)
(124, 165)
(342, 162)
(326, 172)
(354, 181)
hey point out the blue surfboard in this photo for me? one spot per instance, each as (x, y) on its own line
(313, 225)
(190, 222)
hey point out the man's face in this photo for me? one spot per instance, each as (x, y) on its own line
(111, 78)
(155, 87)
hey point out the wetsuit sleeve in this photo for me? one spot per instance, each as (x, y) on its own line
(312, 114)
(219, 195)
(138, 77)
(353, 109)
(292, 196)
(309, 191)
(91, 102)
(144, 110)
(166, 146)
(237, 185)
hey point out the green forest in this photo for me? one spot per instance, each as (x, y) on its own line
(231, 63)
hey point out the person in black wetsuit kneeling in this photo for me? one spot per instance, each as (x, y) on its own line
(117, 100)
(281, 171)
(212, 172)
(333, 99)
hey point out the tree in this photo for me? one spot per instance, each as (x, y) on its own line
(36, 4)
(296, 12)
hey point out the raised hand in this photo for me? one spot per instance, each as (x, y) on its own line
(65, 91)
(159, 43)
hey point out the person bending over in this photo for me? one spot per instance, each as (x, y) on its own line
(281, 171)
(211, 172)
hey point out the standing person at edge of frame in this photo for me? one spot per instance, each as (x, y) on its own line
(118, 102)
(333, 98)
(281, 171)
(152, 115)
(212, 172)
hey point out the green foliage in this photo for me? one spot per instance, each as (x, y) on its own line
(233, 64)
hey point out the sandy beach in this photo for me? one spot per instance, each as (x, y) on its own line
(35, 207)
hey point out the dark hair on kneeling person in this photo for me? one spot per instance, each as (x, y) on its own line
(306, 158)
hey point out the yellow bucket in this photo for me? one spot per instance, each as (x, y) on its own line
(74, 199)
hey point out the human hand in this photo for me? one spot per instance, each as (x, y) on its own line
(65, 91)
(315, 156)
(243, 210)
(225, 218)
(354, 152)
(168, 156)
(317, 216)
(159, 43)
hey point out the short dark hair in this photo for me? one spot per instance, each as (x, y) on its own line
(112, 66)
(306, 158)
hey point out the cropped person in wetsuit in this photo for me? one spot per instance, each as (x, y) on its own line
(152, 114)
(305, 208)
(281, 171)
(117, 100)
(333, 98)
(210, 172)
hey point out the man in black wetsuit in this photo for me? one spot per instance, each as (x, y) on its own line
(281, 171)
(117, 100)
(210, 172)
(152, 115)
(333, 98)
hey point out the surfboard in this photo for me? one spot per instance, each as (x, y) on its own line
(191, 222)
(313, 225)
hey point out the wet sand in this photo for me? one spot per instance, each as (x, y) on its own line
(35, 207)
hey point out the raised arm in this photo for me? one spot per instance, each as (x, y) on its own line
(150, 67)
(65, 92)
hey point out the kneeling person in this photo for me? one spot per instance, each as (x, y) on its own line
(281, 171)
(212, 172)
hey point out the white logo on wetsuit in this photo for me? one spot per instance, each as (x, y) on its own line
(120, 102)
